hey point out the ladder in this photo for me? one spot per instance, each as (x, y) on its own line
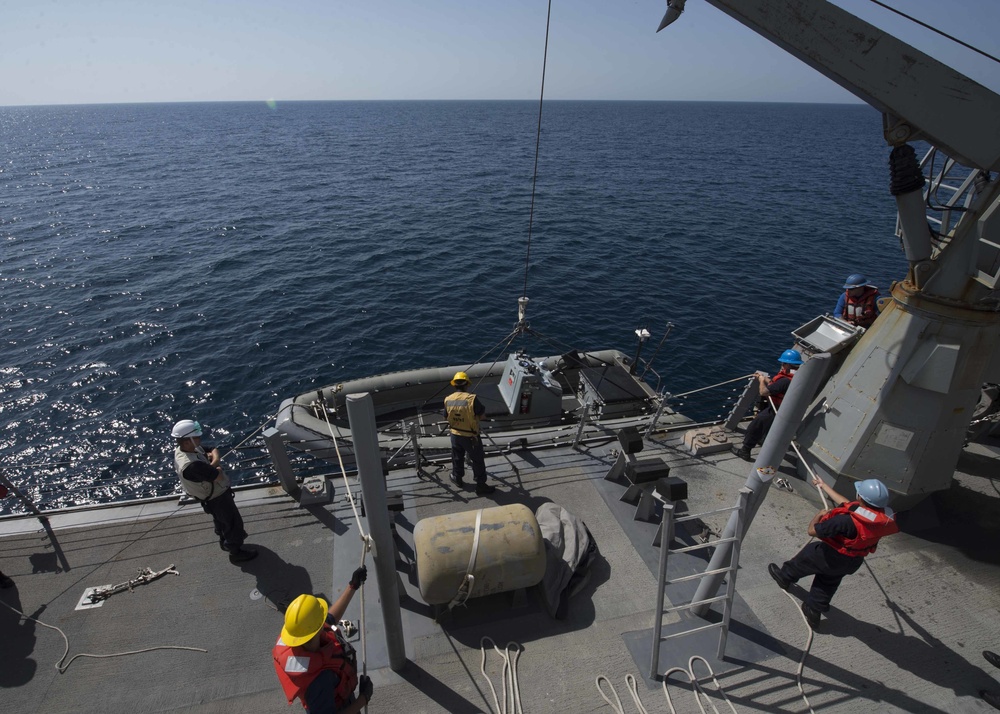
(666, 530)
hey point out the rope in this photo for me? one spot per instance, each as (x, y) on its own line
(617, 703)
(538, 141)
(805, 652)
(62, 668)
(712, 386)
(508, 675)
(252, 435)
(822, 493)
(699, 693)
(366, 544)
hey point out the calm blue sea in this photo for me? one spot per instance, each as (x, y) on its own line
(205, 261)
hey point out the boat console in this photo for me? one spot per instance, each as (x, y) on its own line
(529, 389)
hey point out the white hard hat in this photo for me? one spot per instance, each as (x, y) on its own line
(186, 428)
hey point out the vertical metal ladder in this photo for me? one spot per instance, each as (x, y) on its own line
(666, 531)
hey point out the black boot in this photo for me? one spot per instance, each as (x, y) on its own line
(775, 573)
(242, 555)
(743, 452)
(812, 616)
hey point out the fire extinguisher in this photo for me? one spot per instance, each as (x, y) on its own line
(525, 407)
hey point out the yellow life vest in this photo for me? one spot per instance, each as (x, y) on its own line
(461, 415)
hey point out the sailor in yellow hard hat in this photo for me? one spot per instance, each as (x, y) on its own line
(314, 662)
(464, 412)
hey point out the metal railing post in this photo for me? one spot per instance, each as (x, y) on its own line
(733, 570)
(666, 526)
(584, 415)
(746, 400)
(275, 443)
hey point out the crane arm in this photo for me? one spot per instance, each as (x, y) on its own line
(921, 97)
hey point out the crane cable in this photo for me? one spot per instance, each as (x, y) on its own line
(538, 139)
(934, 29)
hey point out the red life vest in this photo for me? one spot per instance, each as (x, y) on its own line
(776, 398)
(297, 667)
(871, 524)
(862, 310)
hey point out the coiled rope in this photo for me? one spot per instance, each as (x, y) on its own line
(699, 693)
(509, 655)
(617, 703)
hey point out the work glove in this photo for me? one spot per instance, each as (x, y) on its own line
(360, 576)
(365, 686)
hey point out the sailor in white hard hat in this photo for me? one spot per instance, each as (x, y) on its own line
(204, 479)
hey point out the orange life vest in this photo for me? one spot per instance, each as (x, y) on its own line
(862, 310)
(297, 667)
(871, 523)
(776, 398)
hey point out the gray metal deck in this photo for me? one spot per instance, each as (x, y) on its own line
(905, 634)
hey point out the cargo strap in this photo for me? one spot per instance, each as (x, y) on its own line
(469, 581)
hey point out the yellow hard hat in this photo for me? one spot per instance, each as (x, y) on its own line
(459, 377)
(303, 619)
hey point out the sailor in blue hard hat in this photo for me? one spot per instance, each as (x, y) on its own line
(858, 304)
(846, 534)
(771, 389)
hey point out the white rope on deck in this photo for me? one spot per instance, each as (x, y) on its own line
(617, 703)
(60, 667)
(508, 675)
(699, 693)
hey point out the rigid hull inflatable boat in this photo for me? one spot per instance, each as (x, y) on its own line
(529, 402)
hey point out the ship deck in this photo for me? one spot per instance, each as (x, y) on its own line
(905, 633)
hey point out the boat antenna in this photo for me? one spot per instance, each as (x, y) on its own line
(522, 324)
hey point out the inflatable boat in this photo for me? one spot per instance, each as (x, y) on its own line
(529, 402)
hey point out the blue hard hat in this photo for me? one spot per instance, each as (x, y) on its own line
(855, 280)
(790, 357)
(872, 491)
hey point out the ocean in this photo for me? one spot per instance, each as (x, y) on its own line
(206, 261)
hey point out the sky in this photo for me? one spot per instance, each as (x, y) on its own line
(115, 51)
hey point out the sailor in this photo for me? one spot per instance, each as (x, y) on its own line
(204, 480)
(313, 660)
(846, 535)
(773, 390)
(858, 304)
(464, 412)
